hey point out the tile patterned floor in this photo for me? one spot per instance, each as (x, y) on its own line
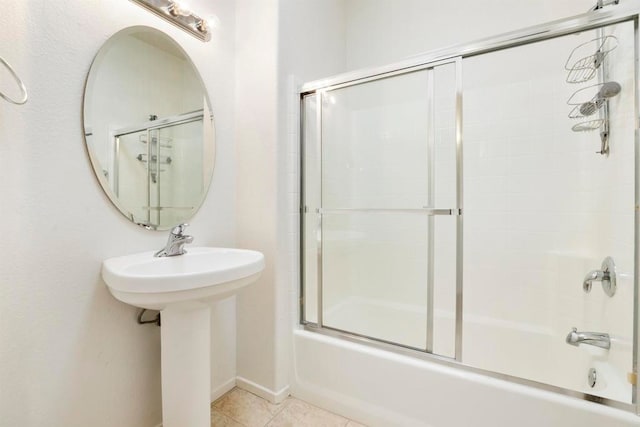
(239, 408)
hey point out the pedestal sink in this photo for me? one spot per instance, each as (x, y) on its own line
(182, 288)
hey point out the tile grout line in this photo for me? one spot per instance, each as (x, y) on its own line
(214, 409)
(284, 403)
(280, 408)
(230, 417)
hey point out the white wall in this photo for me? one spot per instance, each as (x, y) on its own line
(256, 146)
(381, 31)
(273, 41)
(311, 46)
(70, 354)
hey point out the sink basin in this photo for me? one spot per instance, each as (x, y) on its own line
(182, 287)
(201, 274)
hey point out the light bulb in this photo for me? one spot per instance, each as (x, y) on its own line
(202, 26)
(178, 9)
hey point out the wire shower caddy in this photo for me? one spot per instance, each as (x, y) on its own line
(590, 104)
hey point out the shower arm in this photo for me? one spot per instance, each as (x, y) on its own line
(603, 3)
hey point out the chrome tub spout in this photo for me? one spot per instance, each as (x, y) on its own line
(597, 339)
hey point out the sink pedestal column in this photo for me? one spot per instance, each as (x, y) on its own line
(186, 376)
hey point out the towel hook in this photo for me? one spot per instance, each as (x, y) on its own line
(17, 79)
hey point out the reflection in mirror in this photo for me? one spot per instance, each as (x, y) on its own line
(148, 128)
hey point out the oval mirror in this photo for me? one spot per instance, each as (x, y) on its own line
(148, 128)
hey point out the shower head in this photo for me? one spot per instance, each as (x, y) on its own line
(609, 90)
(588, 108)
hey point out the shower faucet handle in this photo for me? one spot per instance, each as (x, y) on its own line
(606, 275)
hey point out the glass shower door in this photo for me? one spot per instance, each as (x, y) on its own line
(129, 178)
(543, 208)
(180, 183)
(370, 204)
(375, 175)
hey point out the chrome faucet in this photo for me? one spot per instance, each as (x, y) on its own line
(597, 339)
(606, 275)
(175, 243)
(593, 276)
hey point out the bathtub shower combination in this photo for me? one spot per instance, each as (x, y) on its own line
(477, 207)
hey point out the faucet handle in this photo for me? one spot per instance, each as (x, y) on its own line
(606, 275)
(179, 229)
(572, 337)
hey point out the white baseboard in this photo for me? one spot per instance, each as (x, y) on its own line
(217, 392)
(265, 393)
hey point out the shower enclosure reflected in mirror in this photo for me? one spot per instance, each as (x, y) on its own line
(148, 128)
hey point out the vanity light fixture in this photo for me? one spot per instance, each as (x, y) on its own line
(179, 15)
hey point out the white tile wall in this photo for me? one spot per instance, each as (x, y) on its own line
(541, 210)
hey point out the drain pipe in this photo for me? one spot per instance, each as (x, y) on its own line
(141, 321)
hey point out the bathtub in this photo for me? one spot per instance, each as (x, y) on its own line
(386, 388)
